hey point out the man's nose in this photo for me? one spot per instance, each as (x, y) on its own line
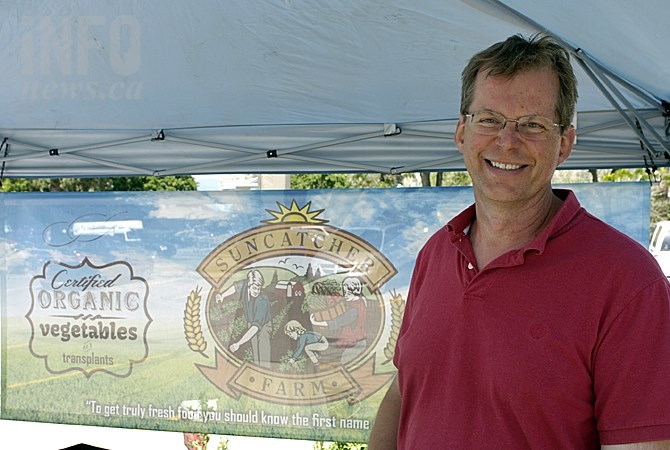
(508, 133)
(513, 124)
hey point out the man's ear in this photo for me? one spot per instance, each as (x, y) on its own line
(567, 142)
(459, 134)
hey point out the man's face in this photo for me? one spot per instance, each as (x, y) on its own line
(508, 167)
(254, 290)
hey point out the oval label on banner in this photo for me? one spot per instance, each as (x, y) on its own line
(295, 311)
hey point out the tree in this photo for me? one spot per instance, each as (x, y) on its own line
(366, 180)
(320, 181)
(169, 183)
(343, 180)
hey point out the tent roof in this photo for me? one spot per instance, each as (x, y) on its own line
(95, 88)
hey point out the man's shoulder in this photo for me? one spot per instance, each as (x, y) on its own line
(599, 232)
(443, 236)
(599, 244)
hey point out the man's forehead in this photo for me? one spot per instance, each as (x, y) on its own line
(539, 84)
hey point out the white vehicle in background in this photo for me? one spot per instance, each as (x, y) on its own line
(660, 245)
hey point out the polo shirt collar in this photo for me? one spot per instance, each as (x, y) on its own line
(459, 226)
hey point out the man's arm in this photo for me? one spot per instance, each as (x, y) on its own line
(384, 432)
(658, 445)
(251, 332)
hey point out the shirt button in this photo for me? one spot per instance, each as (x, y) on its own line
(470, 266)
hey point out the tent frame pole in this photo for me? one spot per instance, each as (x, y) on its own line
(592, 68)
(255, 154)
(600, 79)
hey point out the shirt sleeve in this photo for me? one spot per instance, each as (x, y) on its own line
(631, 370)
(261, 313)
(415, 283)
(302, 340)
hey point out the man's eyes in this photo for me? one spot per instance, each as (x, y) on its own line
(490, 121)
(534, 125)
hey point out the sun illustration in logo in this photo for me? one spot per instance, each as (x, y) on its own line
(295, 214)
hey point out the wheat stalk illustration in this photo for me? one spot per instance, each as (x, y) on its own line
(192, 328)
(397, 308)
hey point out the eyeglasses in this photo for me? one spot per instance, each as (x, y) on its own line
(534, 128)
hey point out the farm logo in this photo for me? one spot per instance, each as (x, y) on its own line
(295, 310)
(89, 318)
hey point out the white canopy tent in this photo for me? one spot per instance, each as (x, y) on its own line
(93, 88)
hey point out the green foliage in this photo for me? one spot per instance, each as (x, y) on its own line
(249, 355)
(328, 286)
(445, 179)
(342, 180)
(455, 179)
(320, 181)
(378, 180)
(625, 175)
(297, 367)
(25, 185)
(320, 445)
(223, 335)
(279, 318)
(239, 326)
(170, 183)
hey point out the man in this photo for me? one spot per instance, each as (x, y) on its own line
(257, 312)
(529, 323)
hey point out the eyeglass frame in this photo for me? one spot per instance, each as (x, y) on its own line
(533, 137)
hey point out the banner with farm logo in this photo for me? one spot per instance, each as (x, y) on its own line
(266, 313)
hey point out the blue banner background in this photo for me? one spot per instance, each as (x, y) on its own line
(178, 231)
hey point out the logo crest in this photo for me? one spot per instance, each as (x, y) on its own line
(295, 310)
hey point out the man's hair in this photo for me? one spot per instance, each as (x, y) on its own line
(255, 277)
(517, 54)
(294, 325)
(352, 285)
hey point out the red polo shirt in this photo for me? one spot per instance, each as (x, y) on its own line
(564, 343)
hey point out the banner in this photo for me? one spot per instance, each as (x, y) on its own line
(264, 313)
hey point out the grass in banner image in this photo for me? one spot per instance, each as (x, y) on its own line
(49, 436)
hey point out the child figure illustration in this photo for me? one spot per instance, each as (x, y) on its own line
(308, 341)
(350, 326)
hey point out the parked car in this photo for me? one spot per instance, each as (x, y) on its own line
(659, 245)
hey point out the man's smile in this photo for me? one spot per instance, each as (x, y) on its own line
(503, 166)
